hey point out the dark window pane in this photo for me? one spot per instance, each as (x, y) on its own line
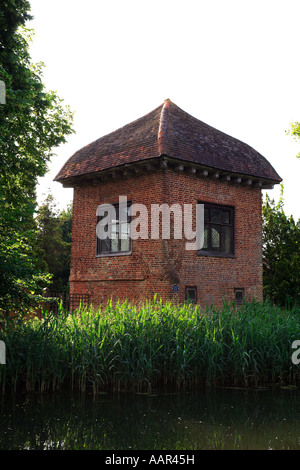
(205, 244)
(225, 217)
(226, 241)
(191, 294)
(105, 245)
(216, 216)
(206, 214)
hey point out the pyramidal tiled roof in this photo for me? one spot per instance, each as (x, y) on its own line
(168, 131)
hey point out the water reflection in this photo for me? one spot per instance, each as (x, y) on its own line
(224, 419)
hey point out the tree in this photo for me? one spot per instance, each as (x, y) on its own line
(53, 243)
(294, 131)
(33, 121)
(281, 254)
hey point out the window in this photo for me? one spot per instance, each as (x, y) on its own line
(218, 230)
(115, 222)
(191, 294)
(239, 295)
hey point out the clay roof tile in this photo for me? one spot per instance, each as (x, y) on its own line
(169, 131)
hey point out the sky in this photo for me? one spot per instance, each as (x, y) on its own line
(233, 64)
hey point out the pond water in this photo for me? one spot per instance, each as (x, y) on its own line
(222, 419)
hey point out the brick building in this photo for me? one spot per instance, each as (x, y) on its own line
(168, 157)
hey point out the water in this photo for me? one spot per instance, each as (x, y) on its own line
(224, 419)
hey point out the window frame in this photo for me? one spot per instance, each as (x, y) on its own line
(99, 242)
(239, 290)
(210, 251)
(196, 294)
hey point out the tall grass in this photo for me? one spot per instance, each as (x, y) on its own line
(156, 344)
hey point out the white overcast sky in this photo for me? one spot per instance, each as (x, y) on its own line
(233, 64)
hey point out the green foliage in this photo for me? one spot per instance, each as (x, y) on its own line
(157, 344)
(53, 243)
(21, 283)
(294, 131)
(32, 122)
(281, 254)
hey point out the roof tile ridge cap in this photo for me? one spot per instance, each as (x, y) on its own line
(163, 127)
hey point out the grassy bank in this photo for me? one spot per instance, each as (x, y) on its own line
(139, 348)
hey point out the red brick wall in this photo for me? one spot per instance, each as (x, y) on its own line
(155, 265)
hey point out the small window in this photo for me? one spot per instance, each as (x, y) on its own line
(191, 294)
(218, 230)
(239, 295)
(116, 224)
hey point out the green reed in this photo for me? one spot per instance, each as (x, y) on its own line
(132, 347)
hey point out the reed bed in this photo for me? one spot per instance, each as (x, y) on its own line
(127, 347)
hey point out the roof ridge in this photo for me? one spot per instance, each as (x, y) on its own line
(163, 127)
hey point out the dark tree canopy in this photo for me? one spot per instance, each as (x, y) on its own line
(53, 243)
(33, 121)
(281, 254)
